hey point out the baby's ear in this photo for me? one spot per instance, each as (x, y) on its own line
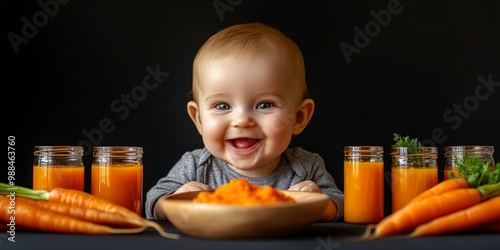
(303, 116)
(192, 109)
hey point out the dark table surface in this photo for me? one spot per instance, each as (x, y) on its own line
(320, 236)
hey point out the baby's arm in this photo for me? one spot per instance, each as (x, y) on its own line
(188, 187)
(192, 186)
(306, 186)
(310, 186)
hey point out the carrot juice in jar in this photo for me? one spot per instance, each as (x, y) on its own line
(117, 175)
(455, 154)
(363, 184)
(413, 171)
(58, 166)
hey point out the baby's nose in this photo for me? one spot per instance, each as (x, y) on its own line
(243, 119)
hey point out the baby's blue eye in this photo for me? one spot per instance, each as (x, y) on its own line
(264, 105)
(222, 106)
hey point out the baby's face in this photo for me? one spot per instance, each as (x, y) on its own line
(247, 109)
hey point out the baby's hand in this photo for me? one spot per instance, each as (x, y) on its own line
(306, 186)
(310, 186)
(192, 186)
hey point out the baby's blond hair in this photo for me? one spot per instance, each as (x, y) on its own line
(242, 39)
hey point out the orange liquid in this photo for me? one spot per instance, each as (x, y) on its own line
(120, 184)
(407, 183)
(48, 178)
(363, 191)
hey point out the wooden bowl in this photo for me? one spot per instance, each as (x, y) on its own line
(206, 220)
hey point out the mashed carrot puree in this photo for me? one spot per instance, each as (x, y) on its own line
(242, 192)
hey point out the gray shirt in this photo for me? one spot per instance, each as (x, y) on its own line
(296, 165)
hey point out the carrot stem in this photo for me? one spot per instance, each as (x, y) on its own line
(489, 190)
(24, 192)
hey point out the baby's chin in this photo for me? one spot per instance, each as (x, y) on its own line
(253, 169)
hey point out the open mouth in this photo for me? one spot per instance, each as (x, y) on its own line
(243, 143)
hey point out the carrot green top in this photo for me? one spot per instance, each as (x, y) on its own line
(405, 141)
(477, 171)
(479, 174)
(413, 144)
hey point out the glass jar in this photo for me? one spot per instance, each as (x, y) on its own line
(58, 166)
(454, 154)
(363, 184)
(413, 170)
(117, 175)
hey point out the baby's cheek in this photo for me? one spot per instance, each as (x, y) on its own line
(213, 129)
(210, 123)
(213, 134)
(281, 125)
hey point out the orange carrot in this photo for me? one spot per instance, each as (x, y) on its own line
(78, 198)
(87, 214)
(412, 215)
(242, 192)
(442, 187)
(31, 216)
(82, 199)
(478, 215)
(71, 197)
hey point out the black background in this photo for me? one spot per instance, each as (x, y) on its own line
(406, 79)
